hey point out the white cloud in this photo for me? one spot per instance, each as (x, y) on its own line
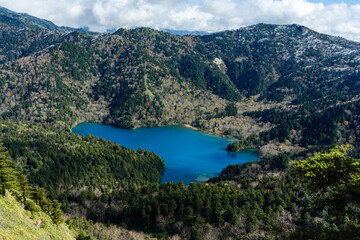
(205, 15)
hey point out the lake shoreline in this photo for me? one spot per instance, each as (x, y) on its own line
(191, 127)
(220, 134)
(186, 125)
(189, 153)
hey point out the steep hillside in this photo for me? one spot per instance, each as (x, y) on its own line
(25, 211)
(30, 21)
(286, 62)
(18, 223)
(109, 78)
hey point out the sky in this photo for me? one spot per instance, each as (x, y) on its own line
(334, 17)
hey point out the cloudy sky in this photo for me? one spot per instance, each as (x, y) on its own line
(335, 17)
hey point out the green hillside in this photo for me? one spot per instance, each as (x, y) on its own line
(71, 166)
(18, 223)
(25, 211)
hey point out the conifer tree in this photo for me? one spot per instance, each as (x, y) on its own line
(24, 187)
(55, 212)
(38, 195)
(8, 178)
(334, 178)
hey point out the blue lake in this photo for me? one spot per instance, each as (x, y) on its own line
(189, 155)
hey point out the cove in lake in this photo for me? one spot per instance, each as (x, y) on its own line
(189, 155)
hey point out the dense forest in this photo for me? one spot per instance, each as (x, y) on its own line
(61, 161)
(318, 130)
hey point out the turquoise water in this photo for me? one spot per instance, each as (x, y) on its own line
(189, 155)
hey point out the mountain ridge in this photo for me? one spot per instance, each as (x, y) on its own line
(259, 59)
(38, 22)
(164, 79)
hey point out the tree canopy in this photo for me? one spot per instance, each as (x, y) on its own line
(334, 177)
(7, 173)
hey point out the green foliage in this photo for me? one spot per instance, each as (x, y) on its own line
(31, 206)
(250, 142)
(9, 182)
(318, 128)
(277, 162)
(192, 68)
(195, 235)
(83, 236)
(208, 77)
(334, 179)
(24, 187)
(55, 159)
(231, 109)
(333, 176)
(246, 77)
(280, 161)
(172, 207)
(8, 178)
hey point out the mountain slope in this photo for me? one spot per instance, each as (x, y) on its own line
(284, 61)
(18, 223)
(30, 21)
(22, 34)
(144, 77)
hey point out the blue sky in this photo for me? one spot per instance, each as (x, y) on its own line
(330, 17)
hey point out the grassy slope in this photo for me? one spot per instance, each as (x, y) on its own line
(18, 223)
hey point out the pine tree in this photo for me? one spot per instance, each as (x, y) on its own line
(8, 179)
(55, 212)
(24, 187)
(194, 235)
(38, 195)
(83, 236)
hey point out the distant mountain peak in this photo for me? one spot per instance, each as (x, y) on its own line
(31, 21)
(185, 32)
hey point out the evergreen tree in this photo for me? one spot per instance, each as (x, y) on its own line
(334, 178)
(8, 178)
(55, 212)
(83, 236)
(194, 235)
(24, 187)
(38, 195)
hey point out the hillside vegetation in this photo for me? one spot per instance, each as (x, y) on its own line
(18, 223)
(71, 166)
(26, 212)
(144, 77)
(286, 90)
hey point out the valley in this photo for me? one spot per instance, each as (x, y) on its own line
(285, 90)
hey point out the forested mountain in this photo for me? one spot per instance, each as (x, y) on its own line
(280, 88)
(144, 77)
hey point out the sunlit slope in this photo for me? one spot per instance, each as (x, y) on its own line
(16, 223)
